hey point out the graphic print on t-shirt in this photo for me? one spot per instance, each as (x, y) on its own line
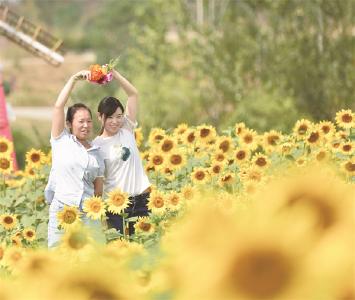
(120, 151)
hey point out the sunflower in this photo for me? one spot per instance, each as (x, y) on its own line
(68, 217)
(8, 221)
(31, 172)
(13, 256)
(157, 159)
(117, 201)
(176, 160)
(271, 140)
(155, 136)
(327, 128)
(16, 241)
(248, 139)
(199, 176)
(189, 137)
(29, 234)
(301, 128)
(145, 155)
(314, 137)
(244, 278)
(241, 155)
(206, 133)
(345, 119)
(349, 167)
(253, 262)
(94, 208)
(227, 179)
(6, 146)
(219, 157)
(347, 148)
(188, 192)
(143, 226)
(6, 164)
(301, 161)
(321, 155)
(260, 160)
(180, 130)
(35, 158)
(342, 135)
(138, 135)
(75, 239)
(251, 174)
(286, 147)
(216, 169)
(149, 167)
(239, 128)
(168, 174)
(224, 144)
(167, 144)
(173, 200)
(157, 202)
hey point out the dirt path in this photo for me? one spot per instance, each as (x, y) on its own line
(28, 112)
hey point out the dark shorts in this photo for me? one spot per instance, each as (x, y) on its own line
(137, 208)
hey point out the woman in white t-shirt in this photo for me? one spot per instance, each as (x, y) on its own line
(77, 165)
(123, 165)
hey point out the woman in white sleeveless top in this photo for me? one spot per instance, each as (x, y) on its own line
(123, 165)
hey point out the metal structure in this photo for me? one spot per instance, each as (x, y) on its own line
(31, 37)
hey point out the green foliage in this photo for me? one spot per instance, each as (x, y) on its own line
(266, 62)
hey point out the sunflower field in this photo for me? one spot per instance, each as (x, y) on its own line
(234, 215)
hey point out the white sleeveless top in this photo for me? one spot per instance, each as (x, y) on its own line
(123, 164)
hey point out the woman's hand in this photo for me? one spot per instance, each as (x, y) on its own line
(82, 75)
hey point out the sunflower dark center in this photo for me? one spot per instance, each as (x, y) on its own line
(224, 146)
(3, 147)
(191, 137)
(35, 157)
(4, 163)
(167, 146)
(248, 139)
(158, 202)
(349, 166)
(200, 175)
(204, 132)
(8, 220)
(241, 155)
(69, 217)
(272, 139)
(302, 129)
(261, 274)
(176, 159)
(314, 136)
(157, 160)
(346, 118)
(261, 161)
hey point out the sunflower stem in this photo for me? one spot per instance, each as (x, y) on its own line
(124, 226)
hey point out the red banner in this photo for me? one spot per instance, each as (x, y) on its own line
(4, 122)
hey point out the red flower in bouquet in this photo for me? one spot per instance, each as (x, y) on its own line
(102, 74)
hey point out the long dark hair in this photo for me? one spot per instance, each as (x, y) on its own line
(72, 111)
(107, 107)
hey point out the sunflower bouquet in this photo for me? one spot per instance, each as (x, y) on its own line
(102, 74)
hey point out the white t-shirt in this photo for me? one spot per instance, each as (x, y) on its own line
(123, 164)
(74, 169)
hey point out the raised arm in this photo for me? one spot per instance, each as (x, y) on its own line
(58, 121)
(132, 93)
